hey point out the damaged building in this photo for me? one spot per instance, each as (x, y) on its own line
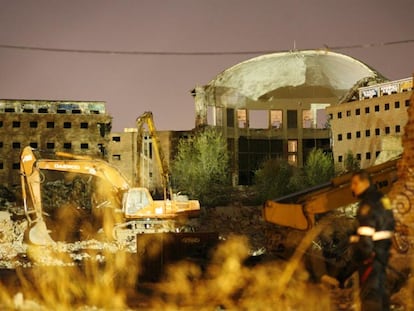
(273, 106)
(372, 123)
(79, 127)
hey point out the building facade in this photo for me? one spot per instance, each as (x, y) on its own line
(50, 126)
(273, 106)
(359, 127)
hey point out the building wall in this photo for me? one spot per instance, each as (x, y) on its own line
(359, 126)
(285, 128)
(50, 126)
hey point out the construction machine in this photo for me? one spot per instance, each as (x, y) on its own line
(134, 208)
(301, 209)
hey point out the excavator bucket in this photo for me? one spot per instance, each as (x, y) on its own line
(288, 215)
(39, 235)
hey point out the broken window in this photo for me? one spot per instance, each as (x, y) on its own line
(116, 138)
(292, 159)
(276, 117)
(116, 157)
(258, 119)
(210, 115)
(67, 125)
(307, 121)
(320, 118)
(292, 119)
(219, 116)
(84, 145)
(242, 118)
(230, 117)
(292, 146)
(50, 125)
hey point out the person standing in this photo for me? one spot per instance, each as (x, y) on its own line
(372, 242)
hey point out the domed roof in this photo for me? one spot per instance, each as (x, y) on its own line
(294, 74)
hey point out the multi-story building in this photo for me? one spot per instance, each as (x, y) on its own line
(359, 126)
(274, 105)
(70, 126)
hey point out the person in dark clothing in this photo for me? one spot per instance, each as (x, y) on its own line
(372, 242)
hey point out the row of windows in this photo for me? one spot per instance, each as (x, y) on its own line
(46, 110)
(386, 107)
(387, 130)
(18, 145)
(359, 156)
(35, 124)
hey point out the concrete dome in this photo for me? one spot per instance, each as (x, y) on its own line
(296, 74)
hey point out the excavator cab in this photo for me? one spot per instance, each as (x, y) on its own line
(136, 199)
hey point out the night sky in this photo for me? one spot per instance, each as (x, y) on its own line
(132, 84)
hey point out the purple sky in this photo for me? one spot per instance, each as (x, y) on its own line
(132, 84)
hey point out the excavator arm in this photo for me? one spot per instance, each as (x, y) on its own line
(31, 179)
(298, 210)
(147, 118)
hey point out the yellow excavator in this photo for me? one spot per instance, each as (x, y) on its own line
(138, 211)
(300, 210)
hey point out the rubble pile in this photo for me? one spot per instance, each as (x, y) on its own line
(235, 220)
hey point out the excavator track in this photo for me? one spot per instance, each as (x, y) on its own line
(127, 231)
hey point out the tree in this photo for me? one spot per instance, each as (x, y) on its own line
(319, 168)
(273, 179)
(201, 167)
(351, 162)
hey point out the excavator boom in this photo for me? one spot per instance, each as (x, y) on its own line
(147, 118)
(298, 210)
